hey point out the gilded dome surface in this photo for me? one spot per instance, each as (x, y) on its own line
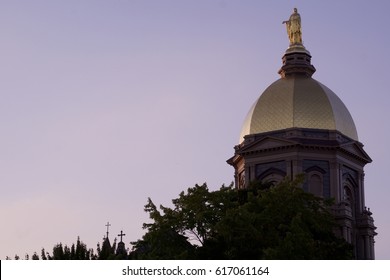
(298, 102)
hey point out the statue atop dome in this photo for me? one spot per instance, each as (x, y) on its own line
(294, 28)
(296, 59)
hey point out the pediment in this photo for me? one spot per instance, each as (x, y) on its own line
(356, 150)
(267, 143)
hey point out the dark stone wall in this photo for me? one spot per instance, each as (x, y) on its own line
(264, 169)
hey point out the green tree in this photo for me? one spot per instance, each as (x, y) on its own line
(280, 222)
(196, 212)
(284, 222)
(162, 241)
(177, 232)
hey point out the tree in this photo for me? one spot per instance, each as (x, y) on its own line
(162, 241)
(35, 256)
(177, 233)
(43, 254)
(280, 222)
(196, 212)
(78, 251)
(284, 222)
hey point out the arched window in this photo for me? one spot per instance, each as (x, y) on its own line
(316, 183)
(272, 176)
(273, 179)
(349, 198)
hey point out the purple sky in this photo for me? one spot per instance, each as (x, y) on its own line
(106, 103)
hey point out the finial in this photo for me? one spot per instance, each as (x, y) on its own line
(108, 225)
(121, 234)
(294, 30)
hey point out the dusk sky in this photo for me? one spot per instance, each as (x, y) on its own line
(105, 103)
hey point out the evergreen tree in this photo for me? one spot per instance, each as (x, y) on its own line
(43, 254)
(35, 256)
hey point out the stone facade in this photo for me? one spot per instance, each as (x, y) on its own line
(333, 167)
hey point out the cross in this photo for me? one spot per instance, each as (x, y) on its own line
(108, 225)
(121, 235)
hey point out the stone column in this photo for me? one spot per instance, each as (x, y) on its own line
(367, 249)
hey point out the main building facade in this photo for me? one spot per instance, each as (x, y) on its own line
(299, 125)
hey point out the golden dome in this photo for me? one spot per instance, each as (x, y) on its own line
(298, 102)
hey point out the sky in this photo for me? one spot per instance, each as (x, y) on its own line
(104, 103)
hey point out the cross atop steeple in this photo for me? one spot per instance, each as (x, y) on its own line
(107, 225)
(121, 234)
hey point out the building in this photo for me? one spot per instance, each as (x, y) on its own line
(299, 125)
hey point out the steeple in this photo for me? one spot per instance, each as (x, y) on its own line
(108, 226)
(106, 246)
(121, 249)
(296, 60)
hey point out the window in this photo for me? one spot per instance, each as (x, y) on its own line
(315, 184)
(349, 198)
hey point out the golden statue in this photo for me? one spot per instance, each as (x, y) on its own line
(294, 28)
